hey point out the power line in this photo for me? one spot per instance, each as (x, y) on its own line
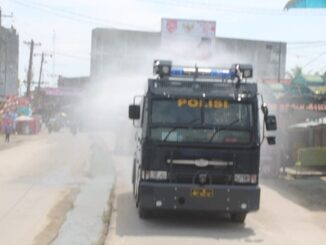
(53, 12)
(43, 55)
(79, 57)
(311, 46)
(68, 12)
(306, 42)
(74, 16)
(233, 9)
(323, 68)
(302, 55)
(30, 65)
(5, 16)
(314, 59)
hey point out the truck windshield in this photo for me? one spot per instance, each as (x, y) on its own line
(197, 120)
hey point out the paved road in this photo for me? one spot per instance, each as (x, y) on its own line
(39, 180)
(279, 221)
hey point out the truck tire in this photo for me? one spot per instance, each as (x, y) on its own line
(133, 172)
(238, 217)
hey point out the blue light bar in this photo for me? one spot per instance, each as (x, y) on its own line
(222, 74)
(213, 73)
(177, 72)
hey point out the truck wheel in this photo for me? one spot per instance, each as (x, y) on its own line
(238, 217)
(133, 172)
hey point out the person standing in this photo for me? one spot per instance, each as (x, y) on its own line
(7, 133)
(7, 123)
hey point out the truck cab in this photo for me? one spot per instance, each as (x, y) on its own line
(198, 141)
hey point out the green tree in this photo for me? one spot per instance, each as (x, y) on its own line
(295, 72)
(324, 77)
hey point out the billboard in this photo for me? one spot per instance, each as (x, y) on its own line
(188, 37)
(188, 28)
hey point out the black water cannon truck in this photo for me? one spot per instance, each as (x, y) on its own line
(198, 141)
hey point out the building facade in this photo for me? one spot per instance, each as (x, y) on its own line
(72, 82)
(134, 51)
(9, 51)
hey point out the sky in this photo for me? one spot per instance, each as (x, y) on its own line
(63, 27)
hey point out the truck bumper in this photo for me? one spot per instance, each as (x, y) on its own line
(167, 196)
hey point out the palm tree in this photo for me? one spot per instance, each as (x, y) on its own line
(324, 77)
(295, 72)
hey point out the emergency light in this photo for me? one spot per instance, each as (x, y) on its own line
(202, 72)
(164, 68)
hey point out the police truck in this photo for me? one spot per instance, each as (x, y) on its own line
(198, 141)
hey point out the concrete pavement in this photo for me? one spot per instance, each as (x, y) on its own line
(282, 219)
(45, 177)
(86, 223)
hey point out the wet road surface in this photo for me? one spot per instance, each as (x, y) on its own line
(280, 220)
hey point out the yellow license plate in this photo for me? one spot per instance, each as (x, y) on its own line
(202, 192)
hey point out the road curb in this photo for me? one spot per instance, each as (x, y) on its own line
(85, 223)
(107, 218)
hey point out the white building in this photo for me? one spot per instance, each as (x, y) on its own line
(9, 51)
(114, 50)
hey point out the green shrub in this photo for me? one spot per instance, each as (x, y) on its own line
(312, 156)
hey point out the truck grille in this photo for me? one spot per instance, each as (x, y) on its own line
(217, 172)
(193, 178)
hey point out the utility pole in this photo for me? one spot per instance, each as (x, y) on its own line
(40, 79)
(53, 55)
(40, 75)
(30, 66)
(279, 62)
(43, 55)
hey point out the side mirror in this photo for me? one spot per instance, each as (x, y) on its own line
(134, 112)
(271, 140)
(271, 124)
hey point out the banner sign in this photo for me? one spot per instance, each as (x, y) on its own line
(188, 38)
(188, 28)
